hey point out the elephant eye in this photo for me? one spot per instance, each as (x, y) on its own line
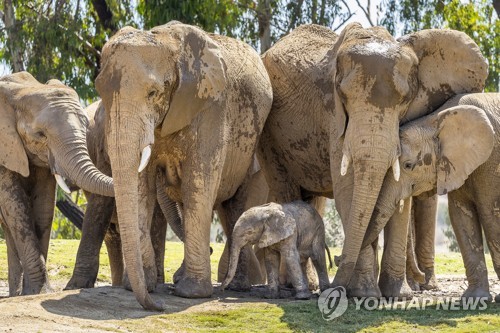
(408, 165)
(40, 135)
(152, 94)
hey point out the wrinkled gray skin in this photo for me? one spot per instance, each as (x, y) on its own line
(200, 101)
(100, 222)
(437, 156)
(42, 130)
(294, 232)
(342, 98)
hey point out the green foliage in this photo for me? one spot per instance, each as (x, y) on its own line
(334, 233)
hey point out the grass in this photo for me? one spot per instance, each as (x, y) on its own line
(281, 315)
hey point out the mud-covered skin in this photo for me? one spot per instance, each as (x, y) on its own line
(342, 98)
(200, 101)
(468, 170)
(42, 130)
(293, 232)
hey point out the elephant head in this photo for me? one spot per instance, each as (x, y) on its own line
(263, 225)
(433, 158)
(44, 124)
(380, 82)
(162, 78)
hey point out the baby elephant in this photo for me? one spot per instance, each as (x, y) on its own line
(455, 150)
(294, 231)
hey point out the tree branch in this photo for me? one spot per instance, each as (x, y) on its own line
(366, 11)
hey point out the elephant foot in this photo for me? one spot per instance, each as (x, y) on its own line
(391, 286)
(477, 292)
(193, 288)
(150, 277)
(179, 273)
(497, 298)
(363, 285)
(240, 283)
(430, 280)
(414, 285)
(78, 282)
(271, 293)
(303, 294)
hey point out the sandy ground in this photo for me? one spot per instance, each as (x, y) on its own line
(102, 308)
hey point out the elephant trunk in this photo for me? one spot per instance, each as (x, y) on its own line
(124, 156)
(70, 152)
(169, 207)
(372, 155)
(234, 254)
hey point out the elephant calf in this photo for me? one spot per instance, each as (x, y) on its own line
(294, 231)
(455, 151)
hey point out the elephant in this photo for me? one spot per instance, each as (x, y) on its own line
(193, 103)
(437, 157)
(292, 231)
(338, 102)
(100, 222)
(42, 128)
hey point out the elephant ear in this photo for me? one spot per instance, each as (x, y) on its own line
(277, 227)
(457, 159)
(201, 76)
(450, 63)
(12, 153)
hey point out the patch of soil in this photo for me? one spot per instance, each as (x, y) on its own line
(101, 308)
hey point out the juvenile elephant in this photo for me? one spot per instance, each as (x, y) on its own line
(195, 103)
(454, 151)
(42, 130)
(338, 103)
(294, 232)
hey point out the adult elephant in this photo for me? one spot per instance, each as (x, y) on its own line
(42, 130)
(100, 222)
(338, 103)
(200, 100)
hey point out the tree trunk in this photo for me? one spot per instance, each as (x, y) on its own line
(264, 17)
(9, 20)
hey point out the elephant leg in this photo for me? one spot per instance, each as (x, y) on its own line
(294, 270)
(95, 224)
(14, 264)
(16, 213)
(158, 235)
(272, 262)
(364, 282)
(465, 223)
(318, 259)
(43, 197)
(425, 212)
(312, 276)
(392, 281)
(113, 243)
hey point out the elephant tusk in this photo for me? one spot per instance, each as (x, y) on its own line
(145, 155)
(401, 206)
(344, 165)
(395, 169)
(62, 184)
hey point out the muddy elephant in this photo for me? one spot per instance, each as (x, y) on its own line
(338, 103)
(195, 104)
(436, 156)
(100, 222)
(293, 232)
(42, 130)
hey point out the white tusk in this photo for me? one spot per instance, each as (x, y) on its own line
(401, 205)
(395, 169)
(145, 155)
(62, 184)
(344, 165)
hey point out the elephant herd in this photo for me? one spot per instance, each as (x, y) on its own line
(190, 122)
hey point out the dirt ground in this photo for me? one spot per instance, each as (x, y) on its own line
(102, 308)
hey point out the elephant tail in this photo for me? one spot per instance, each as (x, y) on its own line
(411, 258)
(329, 256)
(234, 255)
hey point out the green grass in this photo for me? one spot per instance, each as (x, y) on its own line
(281, 315)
